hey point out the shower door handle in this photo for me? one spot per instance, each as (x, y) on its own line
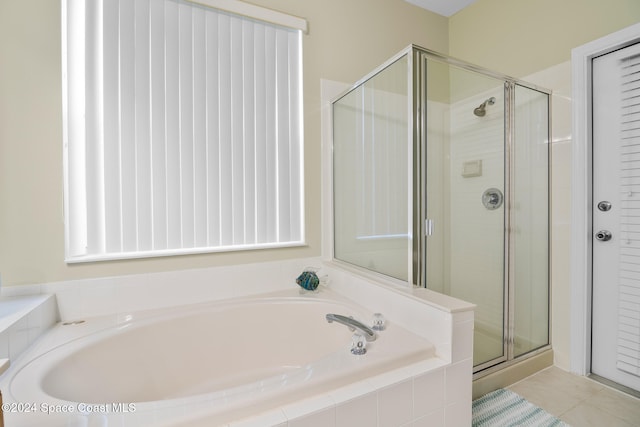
(428, 227)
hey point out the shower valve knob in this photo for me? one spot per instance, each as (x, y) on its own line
(492, 199)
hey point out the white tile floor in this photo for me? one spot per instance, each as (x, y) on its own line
(579, 401)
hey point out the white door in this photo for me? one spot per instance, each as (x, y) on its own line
(615, 353)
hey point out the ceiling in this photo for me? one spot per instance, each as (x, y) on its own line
(442, 7)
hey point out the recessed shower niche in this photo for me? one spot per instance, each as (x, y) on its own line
(441, 180)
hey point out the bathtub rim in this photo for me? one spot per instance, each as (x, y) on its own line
(49, 358)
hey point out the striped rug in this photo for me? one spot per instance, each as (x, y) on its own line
(504, 408)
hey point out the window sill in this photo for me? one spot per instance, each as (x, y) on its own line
(74, 259)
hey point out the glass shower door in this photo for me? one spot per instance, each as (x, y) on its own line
(465, 188)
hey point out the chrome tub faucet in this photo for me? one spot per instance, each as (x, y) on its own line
(353, 324)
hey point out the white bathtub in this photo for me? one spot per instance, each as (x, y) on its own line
(215, 362)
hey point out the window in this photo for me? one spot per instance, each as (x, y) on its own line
(182, 128)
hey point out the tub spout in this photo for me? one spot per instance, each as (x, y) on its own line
(353, 324)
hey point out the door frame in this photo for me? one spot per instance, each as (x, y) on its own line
(581, 191)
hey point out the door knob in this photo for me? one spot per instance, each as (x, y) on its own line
(604, 206)
(603, 235)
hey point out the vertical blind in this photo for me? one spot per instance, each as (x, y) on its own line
(183, 130)
(628, 348)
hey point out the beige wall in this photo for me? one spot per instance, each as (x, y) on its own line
(520, 37)
(346, 40)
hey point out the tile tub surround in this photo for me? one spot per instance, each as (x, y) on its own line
(22, 320)
(434, 392)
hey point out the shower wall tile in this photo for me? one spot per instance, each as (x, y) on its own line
(558, 79)
(561, 249)
(561, 118)
(474, 234)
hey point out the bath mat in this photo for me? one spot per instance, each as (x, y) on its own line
(504, 408)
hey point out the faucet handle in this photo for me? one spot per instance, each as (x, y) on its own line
(379, 322)
(358, 344)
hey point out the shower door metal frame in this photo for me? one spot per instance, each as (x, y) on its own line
(509, 357)
(422, 225)
(509, 240)
(508, 277)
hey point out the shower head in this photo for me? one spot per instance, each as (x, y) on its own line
(480, 110)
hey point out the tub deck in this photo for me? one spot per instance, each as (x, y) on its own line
(186, 363)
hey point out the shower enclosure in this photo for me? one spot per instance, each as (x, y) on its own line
(441, 180)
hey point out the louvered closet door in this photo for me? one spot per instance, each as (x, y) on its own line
(616, 217)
